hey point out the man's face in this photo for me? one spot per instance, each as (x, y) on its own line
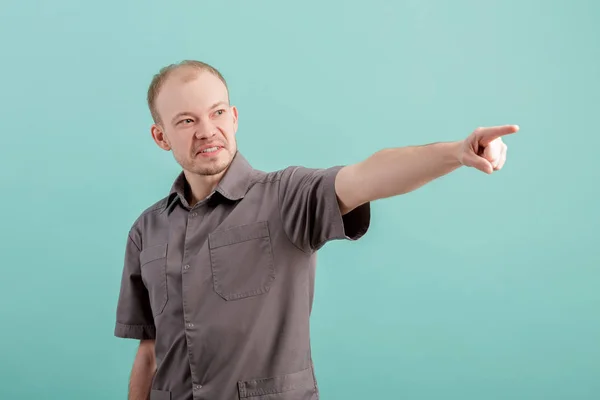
(196, 122)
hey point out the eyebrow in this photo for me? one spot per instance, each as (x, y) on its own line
(180, 114)
(218, 103)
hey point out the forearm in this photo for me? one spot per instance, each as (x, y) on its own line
(142, 374)
(396, 171)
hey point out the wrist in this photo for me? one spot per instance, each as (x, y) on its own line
(454, 151)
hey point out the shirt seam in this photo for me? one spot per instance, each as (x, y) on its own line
(164, 202)
(136, 325)
(133, 241)
(332, 209)
(287, 235)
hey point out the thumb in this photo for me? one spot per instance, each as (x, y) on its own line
(473, 160)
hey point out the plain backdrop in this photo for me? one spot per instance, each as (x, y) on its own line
(473, 287)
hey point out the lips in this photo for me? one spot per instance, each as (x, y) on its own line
(210, 148)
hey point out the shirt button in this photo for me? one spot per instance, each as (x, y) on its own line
(186, 267)
(190, 325)
(198, 387)
(193, 215)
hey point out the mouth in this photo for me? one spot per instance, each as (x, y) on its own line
(209, 150)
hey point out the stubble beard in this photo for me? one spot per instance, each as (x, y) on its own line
(208, 167)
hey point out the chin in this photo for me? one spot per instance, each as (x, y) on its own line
(212, 165)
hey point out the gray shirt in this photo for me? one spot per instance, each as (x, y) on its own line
(226, 287)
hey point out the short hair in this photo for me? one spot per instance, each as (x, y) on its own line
(159, 79)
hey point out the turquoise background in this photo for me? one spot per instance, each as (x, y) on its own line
(473, 287)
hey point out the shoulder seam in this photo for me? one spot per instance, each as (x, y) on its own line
(133, 241)
(160, 204)
(281, 217)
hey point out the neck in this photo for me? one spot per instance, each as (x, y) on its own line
(200, 186)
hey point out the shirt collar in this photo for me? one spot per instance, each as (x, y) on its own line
(233, 185)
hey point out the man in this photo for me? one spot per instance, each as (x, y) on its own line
(218, 275)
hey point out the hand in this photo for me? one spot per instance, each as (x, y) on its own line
(484, 149)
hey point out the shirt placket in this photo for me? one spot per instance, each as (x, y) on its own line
(195, 217)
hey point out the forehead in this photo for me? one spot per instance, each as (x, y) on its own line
(190, 90)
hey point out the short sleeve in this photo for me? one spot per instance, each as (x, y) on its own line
(310, 211)
(134, 315)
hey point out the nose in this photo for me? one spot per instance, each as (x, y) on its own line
(205, 130)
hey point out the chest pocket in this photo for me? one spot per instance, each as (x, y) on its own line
(153, 261)
(241, 259)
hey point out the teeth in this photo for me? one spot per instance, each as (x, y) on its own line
(210, 150)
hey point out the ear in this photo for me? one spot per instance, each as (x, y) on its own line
(159, 137)
(234, 112)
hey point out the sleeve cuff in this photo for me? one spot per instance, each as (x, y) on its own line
(141, 332)
(352, 226)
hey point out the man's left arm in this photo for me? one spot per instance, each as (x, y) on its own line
(392, 172)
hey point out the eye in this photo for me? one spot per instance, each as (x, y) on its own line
(220, 112)
(186, 121)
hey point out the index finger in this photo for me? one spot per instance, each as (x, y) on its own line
(486, 135)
